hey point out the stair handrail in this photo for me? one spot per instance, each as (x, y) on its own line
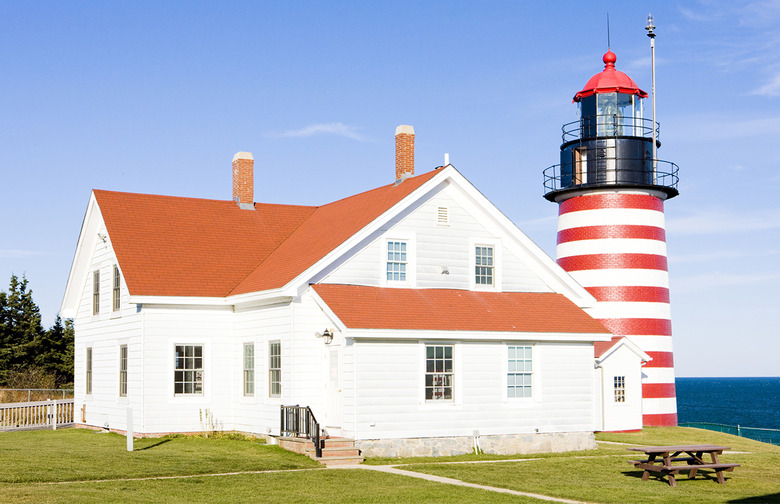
(300, 421)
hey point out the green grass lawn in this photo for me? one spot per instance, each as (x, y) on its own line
(604, 475)
(62, 466)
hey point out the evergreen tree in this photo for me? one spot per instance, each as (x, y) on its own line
(54, 351)
(25, 346)
(20, 326)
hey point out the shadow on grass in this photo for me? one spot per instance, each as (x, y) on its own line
(681, 477)
(761, 499)
(158, 443)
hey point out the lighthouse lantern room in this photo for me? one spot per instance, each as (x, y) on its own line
(611, 189)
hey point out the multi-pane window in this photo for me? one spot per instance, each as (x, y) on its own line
(188, 373)
(89, 371)
(396, 261)
(275, 369)
(249, 369)
(438, 373)
(95, 292)
(519, 377)
(484, 265)
(123, 371)
(620, 388)
(116, 289)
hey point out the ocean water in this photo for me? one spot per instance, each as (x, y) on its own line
(748, 402)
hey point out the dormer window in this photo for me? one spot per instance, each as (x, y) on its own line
(397, 260)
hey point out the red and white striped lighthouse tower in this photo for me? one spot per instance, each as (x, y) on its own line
(611, 235)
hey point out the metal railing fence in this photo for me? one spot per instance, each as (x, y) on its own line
(299, 421)
(771, 436)
(12, 395)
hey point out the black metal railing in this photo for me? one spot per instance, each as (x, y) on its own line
(612, 171)
(299, 421)
(609, 126)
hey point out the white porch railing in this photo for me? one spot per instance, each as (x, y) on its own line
(36, 415)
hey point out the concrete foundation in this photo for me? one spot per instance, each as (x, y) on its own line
(507, 444)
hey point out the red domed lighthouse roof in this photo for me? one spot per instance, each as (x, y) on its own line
(610, 81)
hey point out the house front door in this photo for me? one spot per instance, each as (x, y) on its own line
(333, 387)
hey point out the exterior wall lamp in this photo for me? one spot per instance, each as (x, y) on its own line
(327, 334)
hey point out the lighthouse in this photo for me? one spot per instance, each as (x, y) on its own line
(610, 190)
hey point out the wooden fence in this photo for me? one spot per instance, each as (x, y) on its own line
(36, 415)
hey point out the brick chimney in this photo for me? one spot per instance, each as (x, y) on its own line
(244, 180)
(404, 152)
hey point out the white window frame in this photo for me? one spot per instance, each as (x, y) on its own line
(536, 366)
(397, 255)
(453, 373)
(96, 292)
(116, 291)
(512, 360)
(123, 369)
(497, 260)
(411, 262)
(196, 379)
(248, 376)
(88, 371)
(274, 371)
(619, 389)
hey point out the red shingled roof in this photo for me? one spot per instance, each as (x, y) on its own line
(601, 347)
(360, 307)
(610, 81)
(171, 246)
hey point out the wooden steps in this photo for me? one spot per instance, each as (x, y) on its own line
(335, 450)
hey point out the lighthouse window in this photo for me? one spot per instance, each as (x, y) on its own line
(607, 114)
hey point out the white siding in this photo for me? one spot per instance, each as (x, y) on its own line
(104, 333)
(260, 326)
(437, 246)
(165, 327)
(391, 402)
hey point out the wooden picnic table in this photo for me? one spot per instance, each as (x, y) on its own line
(668, 461)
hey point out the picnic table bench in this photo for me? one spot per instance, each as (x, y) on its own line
(667, 461)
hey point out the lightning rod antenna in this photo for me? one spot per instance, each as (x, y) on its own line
(609, 44)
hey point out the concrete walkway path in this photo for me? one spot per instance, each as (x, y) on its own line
(450, 481)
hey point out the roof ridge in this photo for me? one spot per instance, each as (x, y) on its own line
(318, 208)
(314, 209)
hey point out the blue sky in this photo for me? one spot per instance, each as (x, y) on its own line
(156, 97)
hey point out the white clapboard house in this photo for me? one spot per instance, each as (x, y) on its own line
(414, 318)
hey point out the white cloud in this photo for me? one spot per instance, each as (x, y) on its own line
(771, 88)
(717, 279)
(711, 127)
(721, 255)
(720, 222)
(335, 128)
